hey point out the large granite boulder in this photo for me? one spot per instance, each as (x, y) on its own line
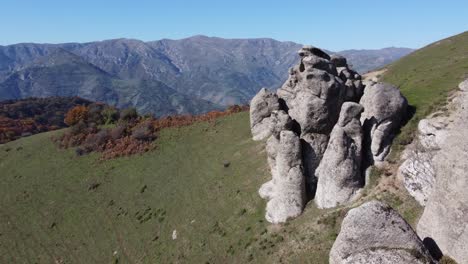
(286, 190)
(375, 233)
(445, 217)
(339, 174)
(384, 110)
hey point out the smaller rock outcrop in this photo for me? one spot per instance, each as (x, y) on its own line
(352, 80)
(445, 216)
(384, 110)
(313, 92)
(339, 174)
(286, 190)
(266, 118)
(417, 169)
(375, 233)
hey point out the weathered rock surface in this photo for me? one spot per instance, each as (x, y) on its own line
(339, 175)
(418, 174)
(445, 218)
(375, 233)
(266, 118)
(314, 93)
(352, 80)
(286, 191)
(303, 119)
(384, 110)
(417, 169)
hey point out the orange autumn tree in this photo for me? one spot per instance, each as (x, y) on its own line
(76, 114)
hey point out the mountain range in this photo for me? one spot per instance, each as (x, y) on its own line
(192, 75)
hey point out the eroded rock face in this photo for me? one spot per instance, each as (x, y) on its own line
(417, 169)
(339, 175)
(314, 93)
(384, 110)
(286, 190)
(418, 174)
(445, 217)
(266, 118)
(375, 233)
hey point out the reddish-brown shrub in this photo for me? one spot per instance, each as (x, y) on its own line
(76, 114)
(143, 131)
(132, 135)
(124, 147)
(118, 132)
(97, 141)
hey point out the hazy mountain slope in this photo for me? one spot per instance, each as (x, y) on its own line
(62, 73)
(15, 57)
(228, 71)
(367, 60)
(221, 71)
(59, 74)
(126, 58)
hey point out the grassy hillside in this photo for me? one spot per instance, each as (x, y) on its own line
(57, 206)
(426, 76)
(201, 181)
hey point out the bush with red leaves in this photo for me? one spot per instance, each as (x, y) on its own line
(132, 134)
(76, 114)
(30, 116)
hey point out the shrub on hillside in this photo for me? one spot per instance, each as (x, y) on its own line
(78, 128)
(96, 141)
(95, 113)
(133, 134)
(110, 114)
(118, 132)
(128, 114)
(143, 131)
(76, 114)
(34, 115)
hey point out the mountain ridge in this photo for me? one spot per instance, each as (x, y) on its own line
(220, 71)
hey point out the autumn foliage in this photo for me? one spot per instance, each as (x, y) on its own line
(131, 134)
(25, 117)
(76, 114)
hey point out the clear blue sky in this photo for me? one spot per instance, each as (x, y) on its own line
(330, 24)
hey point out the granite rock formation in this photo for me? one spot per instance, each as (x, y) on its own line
(384, 110)
(286, 191)
(417, 170)
(307, 108)
(375, 233)
(445, 216)
(340, 177)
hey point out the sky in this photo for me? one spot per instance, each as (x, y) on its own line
(333, 24)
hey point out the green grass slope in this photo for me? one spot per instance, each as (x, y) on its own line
(426, 76)
(61, 208)
(57, 207)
